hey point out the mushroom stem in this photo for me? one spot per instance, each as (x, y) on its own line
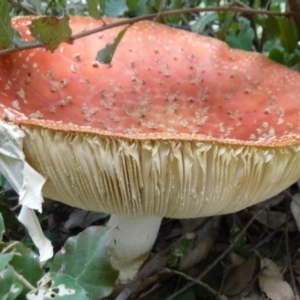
(130, 243)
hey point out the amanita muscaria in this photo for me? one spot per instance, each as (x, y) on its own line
(179, 125)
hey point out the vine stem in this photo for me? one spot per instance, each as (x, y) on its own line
(24, 281)
(37, 44)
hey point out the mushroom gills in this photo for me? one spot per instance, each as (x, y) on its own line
(176, 179)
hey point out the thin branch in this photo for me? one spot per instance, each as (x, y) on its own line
(261, 242)
(37, 44)
(31, 45)
(288, 253)
(24, 281)
(159, 261)
(199, 282)
(177, 12)
(24, 6)
(220, 257)
(289, 263)
(9, 246)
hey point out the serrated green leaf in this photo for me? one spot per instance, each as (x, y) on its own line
(25, 262)
(2, 228)
(94, 8)
(6, 31)
(10, 286)
(58, 286)
(85, 259)
(288, 34)
(106, 54)
(70, 283)
(51, 31)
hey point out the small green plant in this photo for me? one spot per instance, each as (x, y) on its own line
(81, 270)
(181, 248)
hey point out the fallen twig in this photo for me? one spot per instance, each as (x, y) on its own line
(159, 261)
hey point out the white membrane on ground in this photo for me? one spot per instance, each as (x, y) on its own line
(26, 182)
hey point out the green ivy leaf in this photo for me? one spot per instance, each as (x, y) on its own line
(25, 262)
(5, 258)
(6, 31)
(58, 286)
(10, 286)
(85, 258)
(106, 54)
(51, 31)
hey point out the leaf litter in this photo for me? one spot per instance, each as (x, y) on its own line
(198, 259)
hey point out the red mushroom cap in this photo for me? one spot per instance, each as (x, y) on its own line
(178, 125)
(162, 83)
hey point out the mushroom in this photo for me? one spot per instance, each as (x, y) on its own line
(179, 126)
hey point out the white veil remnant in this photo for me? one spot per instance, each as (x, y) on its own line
(26, 182)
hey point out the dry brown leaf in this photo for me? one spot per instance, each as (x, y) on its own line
(236, 259)
(190, 225)
(240, 277)
(296, 267)
(271, 281)
(255, 294)
(271, 219)
(197, 254)
(269, 268)
(275, 289)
